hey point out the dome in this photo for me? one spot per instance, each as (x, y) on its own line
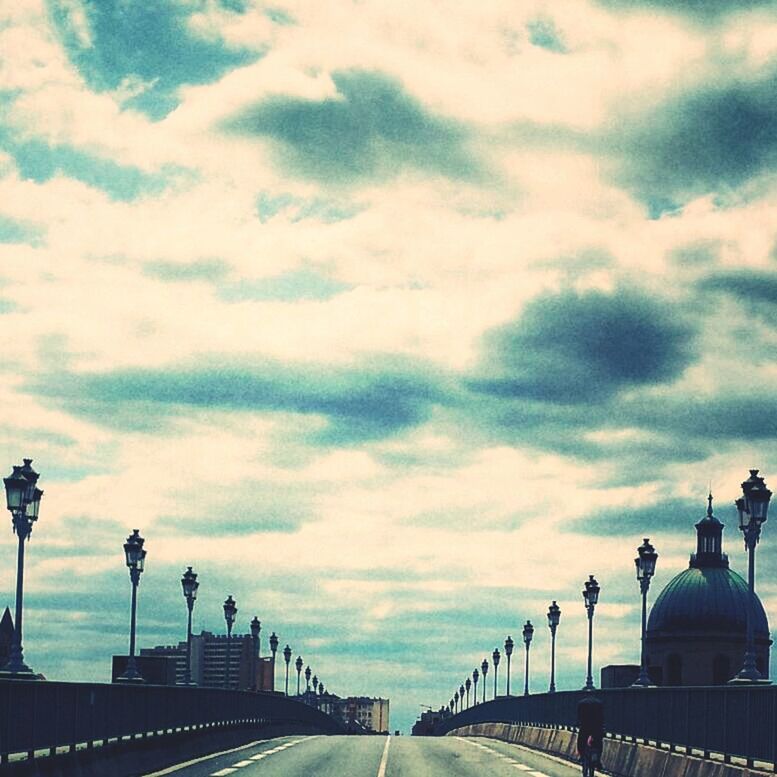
(707, 599)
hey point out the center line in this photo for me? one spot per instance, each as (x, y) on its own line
(384, 759)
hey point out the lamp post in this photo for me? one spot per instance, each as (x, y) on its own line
(23, 502)
(287, 659)
(753, 508)
(298, 665)
(189, 585)
(591, 597)
(230, 611)
(461, 696)
(456, 699)
(135, 557)
(508, 652)
(256, 628)
(495, 658)
(475, 677)
(307, 680)
(554, 616)
(467, 686)
(484, 672)
(646, 568)
(528, 633)
(273, 650)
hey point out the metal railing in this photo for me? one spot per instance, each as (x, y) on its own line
(37, 715)
(737, 721)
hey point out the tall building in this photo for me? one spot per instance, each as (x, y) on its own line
(209, 662)
(363, 712)
(697, 630)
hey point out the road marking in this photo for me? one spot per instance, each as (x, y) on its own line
(241, 763)
(522, 767)
(171, 769)
(384, 758)
(538, 774)
(223, 772)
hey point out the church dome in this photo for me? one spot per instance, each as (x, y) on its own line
(707, 599)
(708, 596)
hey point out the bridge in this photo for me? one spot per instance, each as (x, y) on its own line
(57, 728)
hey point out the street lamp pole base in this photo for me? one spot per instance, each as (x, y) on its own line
(643, 681)
(747, 679)
(18, 674)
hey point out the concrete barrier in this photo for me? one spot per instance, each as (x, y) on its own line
(619, 758)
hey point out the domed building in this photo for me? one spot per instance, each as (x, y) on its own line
(697, 629)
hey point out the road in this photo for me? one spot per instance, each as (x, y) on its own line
(366, 756)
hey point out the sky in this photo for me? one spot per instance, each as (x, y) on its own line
(395, 320)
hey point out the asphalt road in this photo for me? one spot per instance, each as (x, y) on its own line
(374, 756)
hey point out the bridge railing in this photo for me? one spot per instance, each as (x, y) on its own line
(36, 715)
(734, 720)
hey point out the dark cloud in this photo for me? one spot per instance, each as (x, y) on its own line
(152, 43)
(371, 129)
(577, 348)
(378, 400)
(703, 10)
(747, 286)
(711, 140)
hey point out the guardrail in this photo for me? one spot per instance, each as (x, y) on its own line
(38, 715)
(737, 721)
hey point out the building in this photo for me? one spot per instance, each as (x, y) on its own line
(363, 713)
(697, 629)
(426, 723)
(209, 662)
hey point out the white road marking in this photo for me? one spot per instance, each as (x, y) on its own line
(258, 757)
(538, 774)
(171, 769)
(384, 758)
(223, 772)
(522, 767)
(241, 763)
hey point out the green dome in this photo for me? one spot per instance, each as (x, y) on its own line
(707, 599)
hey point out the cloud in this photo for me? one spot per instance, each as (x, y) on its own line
(378, 400)
(151, 45)
(748, 287)
(575, 348)
(708, 140)
(543, 33)
(372, 129)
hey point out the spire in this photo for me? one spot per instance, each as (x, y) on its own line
(709, 541)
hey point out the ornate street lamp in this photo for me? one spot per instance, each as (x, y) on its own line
(256, 628)
(467, 686)
(461, 696)
(273, 650)
(23, 502)
(315, 684)
(456, 699)
(528, 633)
(753, 508)
(554, 616)
(230, 611)
(484, 672)
(135, 556)
(646, 568)
(591, 597)
(307, 680)
(451, 706)
(495, 658)
(508, 652)
(287, 659)
(298, 665)
(475, 678)
(189, 585)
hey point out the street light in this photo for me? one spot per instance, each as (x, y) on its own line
(287, 659)
(484, 672)
(554, 616)
(646, 568)
(753, 508)
(475, 678)
(528, 633)
(456, 699)
(256, 628)
(23, 502)
(467, 686)
(298, 665)
(189, 585)
(508, 652)
(273, 650)
(307, 680)
(135, 557)
(495, 658)
(230, 611)
(591, 597)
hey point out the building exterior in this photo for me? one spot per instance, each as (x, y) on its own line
(426, 723)
(697, 629)
(209, 662)
(363, 712)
